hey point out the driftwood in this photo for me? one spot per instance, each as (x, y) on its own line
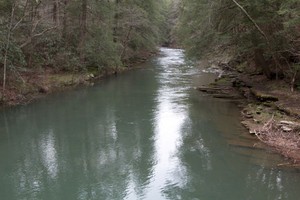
(276, 135)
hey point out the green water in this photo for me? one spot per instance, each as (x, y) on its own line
(147, 134)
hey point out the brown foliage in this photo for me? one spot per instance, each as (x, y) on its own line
(284, 139)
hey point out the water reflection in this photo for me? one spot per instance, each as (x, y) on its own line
(143, 135)
(49, 155)
(170, 116)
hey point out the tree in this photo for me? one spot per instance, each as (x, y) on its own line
(7, 45)
(260, 29)
(50, 34)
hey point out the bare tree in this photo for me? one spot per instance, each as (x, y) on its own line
(9, 31)
(83, 28)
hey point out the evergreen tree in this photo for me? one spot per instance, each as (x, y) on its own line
(36, 34)
(266, 30)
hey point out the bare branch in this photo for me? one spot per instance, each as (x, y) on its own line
(44, 31)
(22, 18)
(28, 41)
(251, 19)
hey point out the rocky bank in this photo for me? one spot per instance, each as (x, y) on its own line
(269, 109)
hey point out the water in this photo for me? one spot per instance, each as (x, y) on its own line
(147, 134)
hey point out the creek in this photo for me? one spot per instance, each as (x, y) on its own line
(146, 134)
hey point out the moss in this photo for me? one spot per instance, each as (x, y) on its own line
(241, 67)
(263, 96)
(64, 79)
(224, 81)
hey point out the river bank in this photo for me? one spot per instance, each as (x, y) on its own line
(32, 85)
(148, 125)
(27, 86)
(269, 110)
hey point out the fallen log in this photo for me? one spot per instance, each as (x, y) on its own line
(263, 96)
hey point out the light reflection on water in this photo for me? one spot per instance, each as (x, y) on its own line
(49, 155)
(169, 119)
(143, 135)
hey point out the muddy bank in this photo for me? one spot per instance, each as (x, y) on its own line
(269, 110)
(32, 85)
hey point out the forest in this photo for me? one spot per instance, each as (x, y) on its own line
(150, 99)
(264, 32)
(75, 36)
(96, 36)
(259, 43)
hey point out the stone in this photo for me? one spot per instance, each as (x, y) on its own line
(286, 129)
(44, 89)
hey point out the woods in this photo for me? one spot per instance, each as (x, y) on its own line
(265, 32)
(80, 35)
(97, 35)
(257, 45)
(149, 134)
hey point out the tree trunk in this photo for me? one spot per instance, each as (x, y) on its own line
(116, 21)
(64, 22)
(260, 62)
(125, 43)
(55, 12)
(83, 29)
(7, 49)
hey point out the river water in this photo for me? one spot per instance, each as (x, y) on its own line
(147, 134)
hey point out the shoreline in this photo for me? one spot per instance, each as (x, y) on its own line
(269, 113)
(49, 83)
(35, 84)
